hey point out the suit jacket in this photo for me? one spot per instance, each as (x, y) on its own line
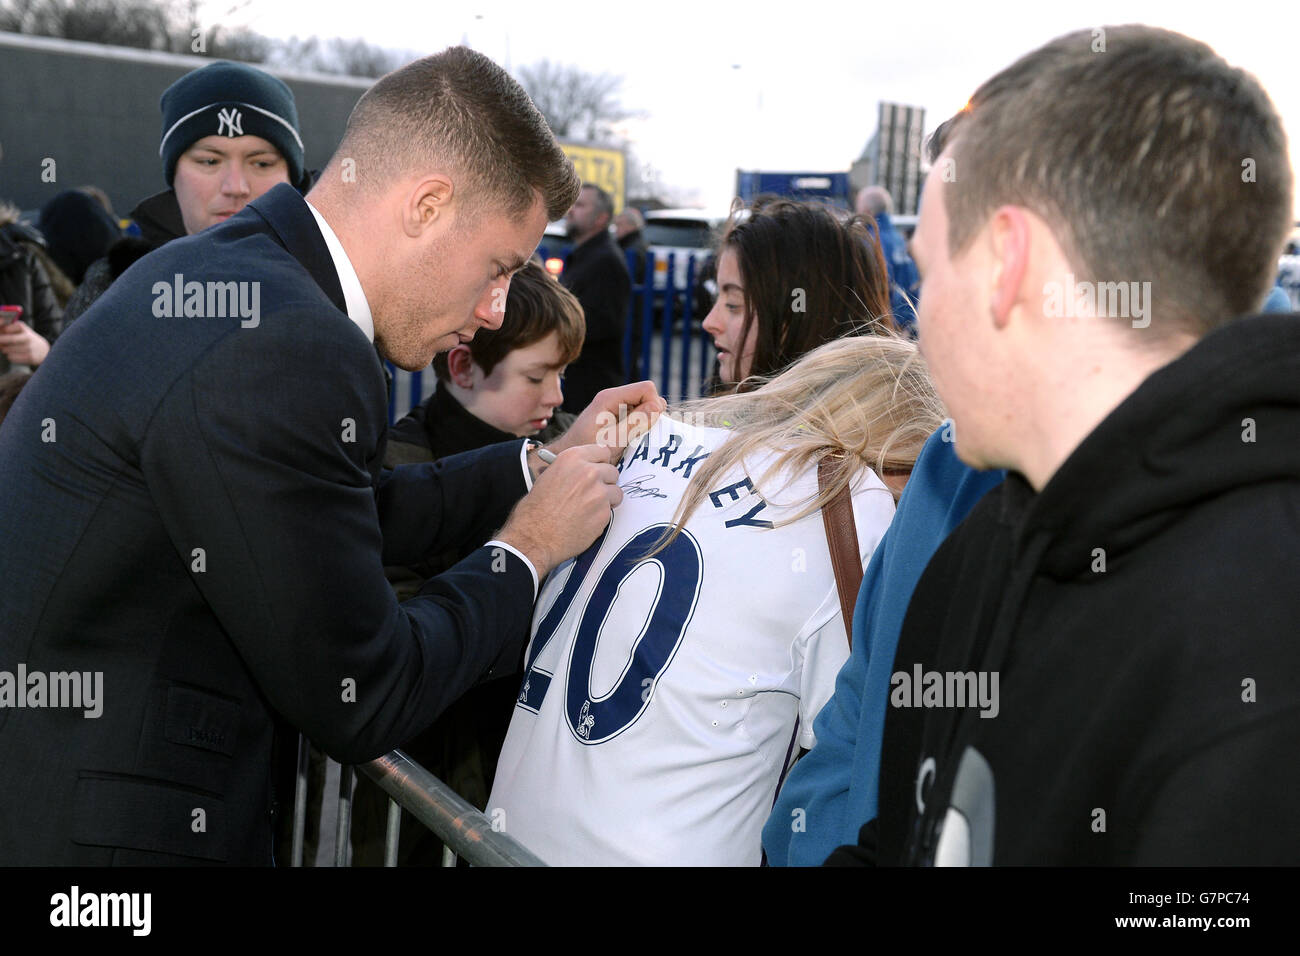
(202, 519)
(596, 273)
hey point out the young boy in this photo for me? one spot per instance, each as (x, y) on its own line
(503, 384)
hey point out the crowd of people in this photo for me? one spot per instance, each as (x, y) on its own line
(937, 575)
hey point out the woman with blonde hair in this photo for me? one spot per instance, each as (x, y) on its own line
(676, 666)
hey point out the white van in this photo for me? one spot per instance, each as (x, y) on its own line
(687, 234)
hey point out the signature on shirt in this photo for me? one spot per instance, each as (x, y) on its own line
(637, 490)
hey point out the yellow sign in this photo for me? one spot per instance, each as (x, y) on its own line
(602, 167)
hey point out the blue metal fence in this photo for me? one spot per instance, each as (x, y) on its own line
(679, 365)
(680, 336)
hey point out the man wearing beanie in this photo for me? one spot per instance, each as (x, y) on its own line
(229, 133)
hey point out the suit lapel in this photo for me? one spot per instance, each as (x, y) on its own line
(286, 212)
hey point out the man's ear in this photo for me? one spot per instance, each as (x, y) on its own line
(460, 363)
(428, 204)
(1010, 237)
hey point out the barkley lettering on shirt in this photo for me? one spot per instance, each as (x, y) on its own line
(664, 455)
(723, 497)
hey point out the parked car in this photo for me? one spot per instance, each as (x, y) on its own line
(555, 247)
(686, 234)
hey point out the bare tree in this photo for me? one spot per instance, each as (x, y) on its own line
(238, 44)
(174, 25)
(359, 58)
(350, 57)
(575, 103)
(145, 24)
(299, 53)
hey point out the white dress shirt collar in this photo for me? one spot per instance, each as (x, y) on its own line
(354, 297)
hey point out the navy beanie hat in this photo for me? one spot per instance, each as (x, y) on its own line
(229, 99)
(78, 230)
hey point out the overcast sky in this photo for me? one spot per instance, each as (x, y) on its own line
(790, 85)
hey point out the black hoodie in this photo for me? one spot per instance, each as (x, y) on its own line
(1142, 615)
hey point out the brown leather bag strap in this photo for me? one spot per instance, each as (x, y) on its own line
(842, 536)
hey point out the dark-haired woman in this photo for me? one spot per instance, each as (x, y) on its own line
(793, 276)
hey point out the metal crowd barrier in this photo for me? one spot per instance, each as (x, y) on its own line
(462, 828)
(640, 329)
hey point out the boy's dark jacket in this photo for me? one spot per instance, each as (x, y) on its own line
(1143, 616)
(435, 429)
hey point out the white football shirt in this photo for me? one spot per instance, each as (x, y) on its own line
(664, 697)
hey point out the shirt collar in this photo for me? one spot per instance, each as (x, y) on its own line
(353, 295)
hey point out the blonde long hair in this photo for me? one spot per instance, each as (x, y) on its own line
(867, 399)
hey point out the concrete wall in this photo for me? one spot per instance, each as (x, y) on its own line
(93, 110)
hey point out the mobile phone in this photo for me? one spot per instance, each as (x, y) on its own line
(10, 314)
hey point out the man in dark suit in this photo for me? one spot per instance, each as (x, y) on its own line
(596, 273)
(198, 520)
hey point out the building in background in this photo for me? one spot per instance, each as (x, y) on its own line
(832, 188)
(603, 166)
(893, 156)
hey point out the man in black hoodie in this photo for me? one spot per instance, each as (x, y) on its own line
(1100, 665)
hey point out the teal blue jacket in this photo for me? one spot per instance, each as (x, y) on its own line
(832, 791)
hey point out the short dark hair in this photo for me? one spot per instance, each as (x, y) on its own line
(536, 306)
(937, 141)
(810, 275)
(461, 109)
(1133, 143)
(604, 202)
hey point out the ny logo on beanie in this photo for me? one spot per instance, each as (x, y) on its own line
(231, 122)
(246, 102)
